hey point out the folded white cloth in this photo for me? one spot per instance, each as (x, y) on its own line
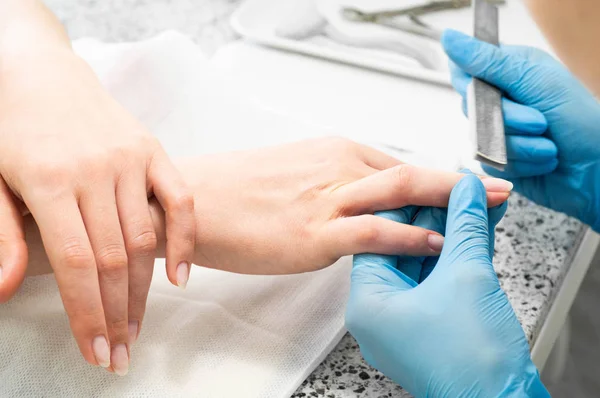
(227, 335)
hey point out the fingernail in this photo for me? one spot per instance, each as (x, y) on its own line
(120, 359)
(435, 242)
(101, 351)
(133, 331)
(183, 273)
(497, 185)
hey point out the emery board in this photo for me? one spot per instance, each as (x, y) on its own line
(484, 101)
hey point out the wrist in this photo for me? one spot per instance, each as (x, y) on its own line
(27, 26)
(33, 77)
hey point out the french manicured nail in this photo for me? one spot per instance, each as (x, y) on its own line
(435, 242)
(183, 273)
(133, 331)
(120, 359)
(497, 185)
(101, 351)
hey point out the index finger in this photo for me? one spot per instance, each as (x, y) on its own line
(66, 242)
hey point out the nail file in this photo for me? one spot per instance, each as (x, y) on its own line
(485, 101)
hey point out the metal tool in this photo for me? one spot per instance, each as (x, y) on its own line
(354, 14)
(484, 100)
(389, 19)
(305, 21)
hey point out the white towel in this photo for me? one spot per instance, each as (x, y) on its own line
(227, 335)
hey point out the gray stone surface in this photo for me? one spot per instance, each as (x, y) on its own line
(533, 245)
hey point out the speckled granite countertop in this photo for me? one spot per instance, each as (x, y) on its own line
(533, 245)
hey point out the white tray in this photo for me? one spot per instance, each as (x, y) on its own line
(256, 20)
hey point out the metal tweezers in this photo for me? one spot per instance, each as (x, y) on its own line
(417, 27)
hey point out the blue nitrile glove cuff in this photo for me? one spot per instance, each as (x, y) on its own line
(531, 387)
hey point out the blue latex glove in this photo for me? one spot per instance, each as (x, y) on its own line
(455, 334)
(552, 123)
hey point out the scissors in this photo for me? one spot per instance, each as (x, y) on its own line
(417, 27)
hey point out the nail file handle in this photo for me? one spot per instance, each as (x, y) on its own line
(485, 100)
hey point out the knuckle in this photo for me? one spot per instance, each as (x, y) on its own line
(87, 315)
(117, 327)
(338, 143)
(143, 242)
(112, 259)
(97, 165)
(368, 234)
(50, 178)
(184, 202)
(404, 174)
(75, 254)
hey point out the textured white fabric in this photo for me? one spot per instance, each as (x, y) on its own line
(227, 335)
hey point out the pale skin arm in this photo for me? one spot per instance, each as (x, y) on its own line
(573, 29)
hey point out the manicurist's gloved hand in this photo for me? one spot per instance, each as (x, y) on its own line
(552, 123)
(453, 333)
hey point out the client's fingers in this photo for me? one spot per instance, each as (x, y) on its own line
(13, 248)
(409, 185)
(372, 234)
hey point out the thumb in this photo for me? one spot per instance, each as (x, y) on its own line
(486, 61)
(467, 226)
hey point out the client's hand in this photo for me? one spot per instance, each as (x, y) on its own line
(84, 168)
(300, 207)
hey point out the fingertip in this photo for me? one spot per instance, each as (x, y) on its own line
(495, 199)
(496, 184)
(523, 119)
(182, 274)
(457, 45)
(435, 242)
(497, 212)
(468, 190)
(451, 37)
